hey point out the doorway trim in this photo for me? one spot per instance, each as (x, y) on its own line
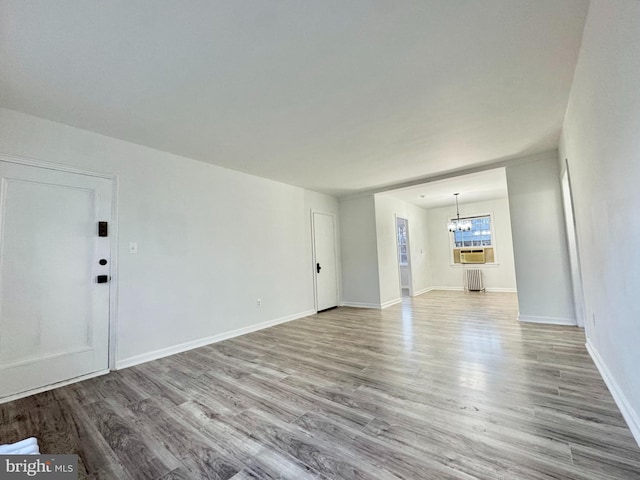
(572, 245)
(313, 256)
(113, 234)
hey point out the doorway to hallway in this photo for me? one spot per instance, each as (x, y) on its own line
(404, 256)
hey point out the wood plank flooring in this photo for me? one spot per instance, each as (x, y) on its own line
(448, 385)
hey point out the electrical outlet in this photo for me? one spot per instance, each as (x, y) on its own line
(259, 303)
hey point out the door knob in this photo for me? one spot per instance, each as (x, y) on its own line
(318, 267)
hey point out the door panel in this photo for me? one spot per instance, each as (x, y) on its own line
(54, 317)
(325, 256)
(574, 260)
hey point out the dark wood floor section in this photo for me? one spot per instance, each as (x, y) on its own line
(448, 385)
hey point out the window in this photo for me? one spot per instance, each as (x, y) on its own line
(403, 244)
(476, 245)
(478, 236)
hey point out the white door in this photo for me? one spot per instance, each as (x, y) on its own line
(324, 242)
(574, 259)
(54, 315)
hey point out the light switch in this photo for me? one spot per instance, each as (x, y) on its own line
(133, 247)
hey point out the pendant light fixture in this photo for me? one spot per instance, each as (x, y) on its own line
(459, 225)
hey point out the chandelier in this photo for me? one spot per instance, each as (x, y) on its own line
(459, 225)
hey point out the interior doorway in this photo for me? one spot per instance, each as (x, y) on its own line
(404, 256)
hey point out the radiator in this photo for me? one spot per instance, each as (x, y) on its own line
(473, 280)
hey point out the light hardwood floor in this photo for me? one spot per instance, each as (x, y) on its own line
(448, 385)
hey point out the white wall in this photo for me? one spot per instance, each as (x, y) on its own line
(542, 267)
(498, 277)
(360, 281)
(601, 141)
(386, 209)
(211, 240)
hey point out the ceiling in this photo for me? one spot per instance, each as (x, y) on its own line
(475, 187)
(339, 97)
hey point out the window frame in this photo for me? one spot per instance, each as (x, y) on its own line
(494, 243)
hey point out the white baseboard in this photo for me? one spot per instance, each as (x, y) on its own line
(421, 291)
(384, 305)
(16, 396)
(630, 415)
(548, 320)
(360, 305)
(488, 289)
(377, 306)
(201, 342)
